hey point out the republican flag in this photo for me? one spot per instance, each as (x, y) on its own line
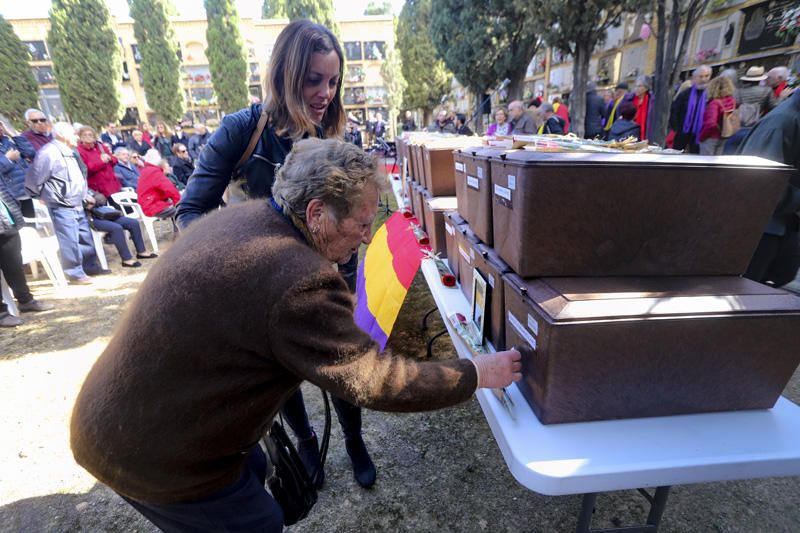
(384, 276)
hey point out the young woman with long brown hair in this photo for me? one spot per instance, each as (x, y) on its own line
(303, 99)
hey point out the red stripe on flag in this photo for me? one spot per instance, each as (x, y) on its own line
(406, 253)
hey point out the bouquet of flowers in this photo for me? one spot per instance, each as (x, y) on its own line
(790, 24)
(705, 55)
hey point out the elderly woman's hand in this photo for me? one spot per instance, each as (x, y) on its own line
(499, 369)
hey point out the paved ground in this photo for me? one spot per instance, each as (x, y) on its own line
(439, 471)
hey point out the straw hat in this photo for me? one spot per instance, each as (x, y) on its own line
(754, 74)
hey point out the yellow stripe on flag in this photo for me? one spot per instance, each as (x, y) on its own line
(385, 293)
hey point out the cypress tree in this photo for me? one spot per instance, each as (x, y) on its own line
(427, 77)
(226, 55)
(273, 9)
(86, 60)
(319, 11)
(160, 65)
(17, 84)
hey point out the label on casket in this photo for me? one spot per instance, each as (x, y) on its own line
(464, 254)
(480, 172)
(502, 195)
(512, 182)
(533, 325)
(459, 167)
(449, 229)
(521, 331)
(491, 281)
(473, 183)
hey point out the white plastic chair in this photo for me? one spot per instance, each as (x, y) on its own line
(44, 250)
(97, 237)
(129, 203)
(8, 298)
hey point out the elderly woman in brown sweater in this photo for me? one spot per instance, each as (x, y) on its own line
(171, 414)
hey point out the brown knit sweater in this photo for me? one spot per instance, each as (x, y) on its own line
(226, 326)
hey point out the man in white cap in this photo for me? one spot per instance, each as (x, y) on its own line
(753, 99)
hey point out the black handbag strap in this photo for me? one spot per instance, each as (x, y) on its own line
(326, 437)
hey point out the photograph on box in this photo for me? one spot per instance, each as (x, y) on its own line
(478, 302)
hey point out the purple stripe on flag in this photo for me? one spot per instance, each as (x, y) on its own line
(363, 317)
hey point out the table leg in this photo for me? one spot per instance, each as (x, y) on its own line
(587, 510)
(428, 314)
(657, 506)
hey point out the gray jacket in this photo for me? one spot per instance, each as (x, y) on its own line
(753, 101)
(525, 124)
(55, 176)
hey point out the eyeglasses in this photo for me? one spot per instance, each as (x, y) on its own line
(36, 120)
(182, 151)
(134, 157)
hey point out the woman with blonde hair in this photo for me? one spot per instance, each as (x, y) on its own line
(720, 108)
(303, 99)
(162, 141)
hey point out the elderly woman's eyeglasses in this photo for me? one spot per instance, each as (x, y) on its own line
(38, 120)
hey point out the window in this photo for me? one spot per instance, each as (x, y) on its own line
(354, 95)
(141, 78)
(131, 117)
(44, 75)
(126, 76)
(374, 50)
(352, 51)
(137, 56)
(51, 103)
(255, 93)
(37, 50)
(376, 95)
(203, 96)
(374, 111)
(355, 74)
(255, 75)
(197, 75)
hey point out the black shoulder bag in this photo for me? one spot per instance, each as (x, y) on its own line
(289, 482)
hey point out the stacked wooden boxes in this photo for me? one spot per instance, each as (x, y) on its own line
(622, 285)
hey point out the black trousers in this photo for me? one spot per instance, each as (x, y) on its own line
(349, 415)
(11, 266)
(776, 259)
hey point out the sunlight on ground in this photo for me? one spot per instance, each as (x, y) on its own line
(37, 392)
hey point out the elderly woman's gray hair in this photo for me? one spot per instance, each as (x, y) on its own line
(152, 156)
(331, 170)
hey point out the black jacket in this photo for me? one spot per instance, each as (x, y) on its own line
(622, 129)
(214, 167)
(554, 124)
(595, 113)
(182, 168)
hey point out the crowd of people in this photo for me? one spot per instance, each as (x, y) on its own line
(75, 175)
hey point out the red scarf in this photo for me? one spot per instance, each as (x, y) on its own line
(779, 89)
(641, 113)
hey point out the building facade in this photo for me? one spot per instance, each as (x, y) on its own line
(364, 41)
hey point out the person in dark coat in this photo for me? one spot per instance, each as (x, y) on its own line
(595, 112)
(777, 137)
(353, 134)
(686, 113)
(625, 126)
(461, 125)
(38, 132)
(181, 163)
(11, 220)
(137, 143)
(15, 153)
(551, 123)
(126, 172)
(112, 137)
(316, 111)
(408, 122)
(198, 141)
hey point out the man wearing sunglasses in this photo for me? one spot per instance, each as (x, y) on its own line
(38, 132)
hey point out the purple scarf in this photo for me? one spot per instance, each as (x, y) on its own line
(694, 113)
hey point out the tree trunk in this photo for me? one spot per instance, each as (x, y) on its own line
(661, 84)
(580, 75)
(516, 85)
(478, 113)
(426, 117)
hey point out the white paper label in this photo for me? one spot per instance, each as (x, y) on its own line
(533, 325)
(480, 172)
(521, 331)
(491, 281)
(459, 167)
(449, 229)
(512, 182)
(464, 254)
(502, 192)
(473, 182)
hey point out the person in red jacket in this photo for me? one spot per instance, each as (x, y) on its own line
(99, 163)
(158, 197)
(720, 102)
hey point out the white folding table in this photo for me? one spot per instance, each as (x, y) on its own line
(591, 457)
